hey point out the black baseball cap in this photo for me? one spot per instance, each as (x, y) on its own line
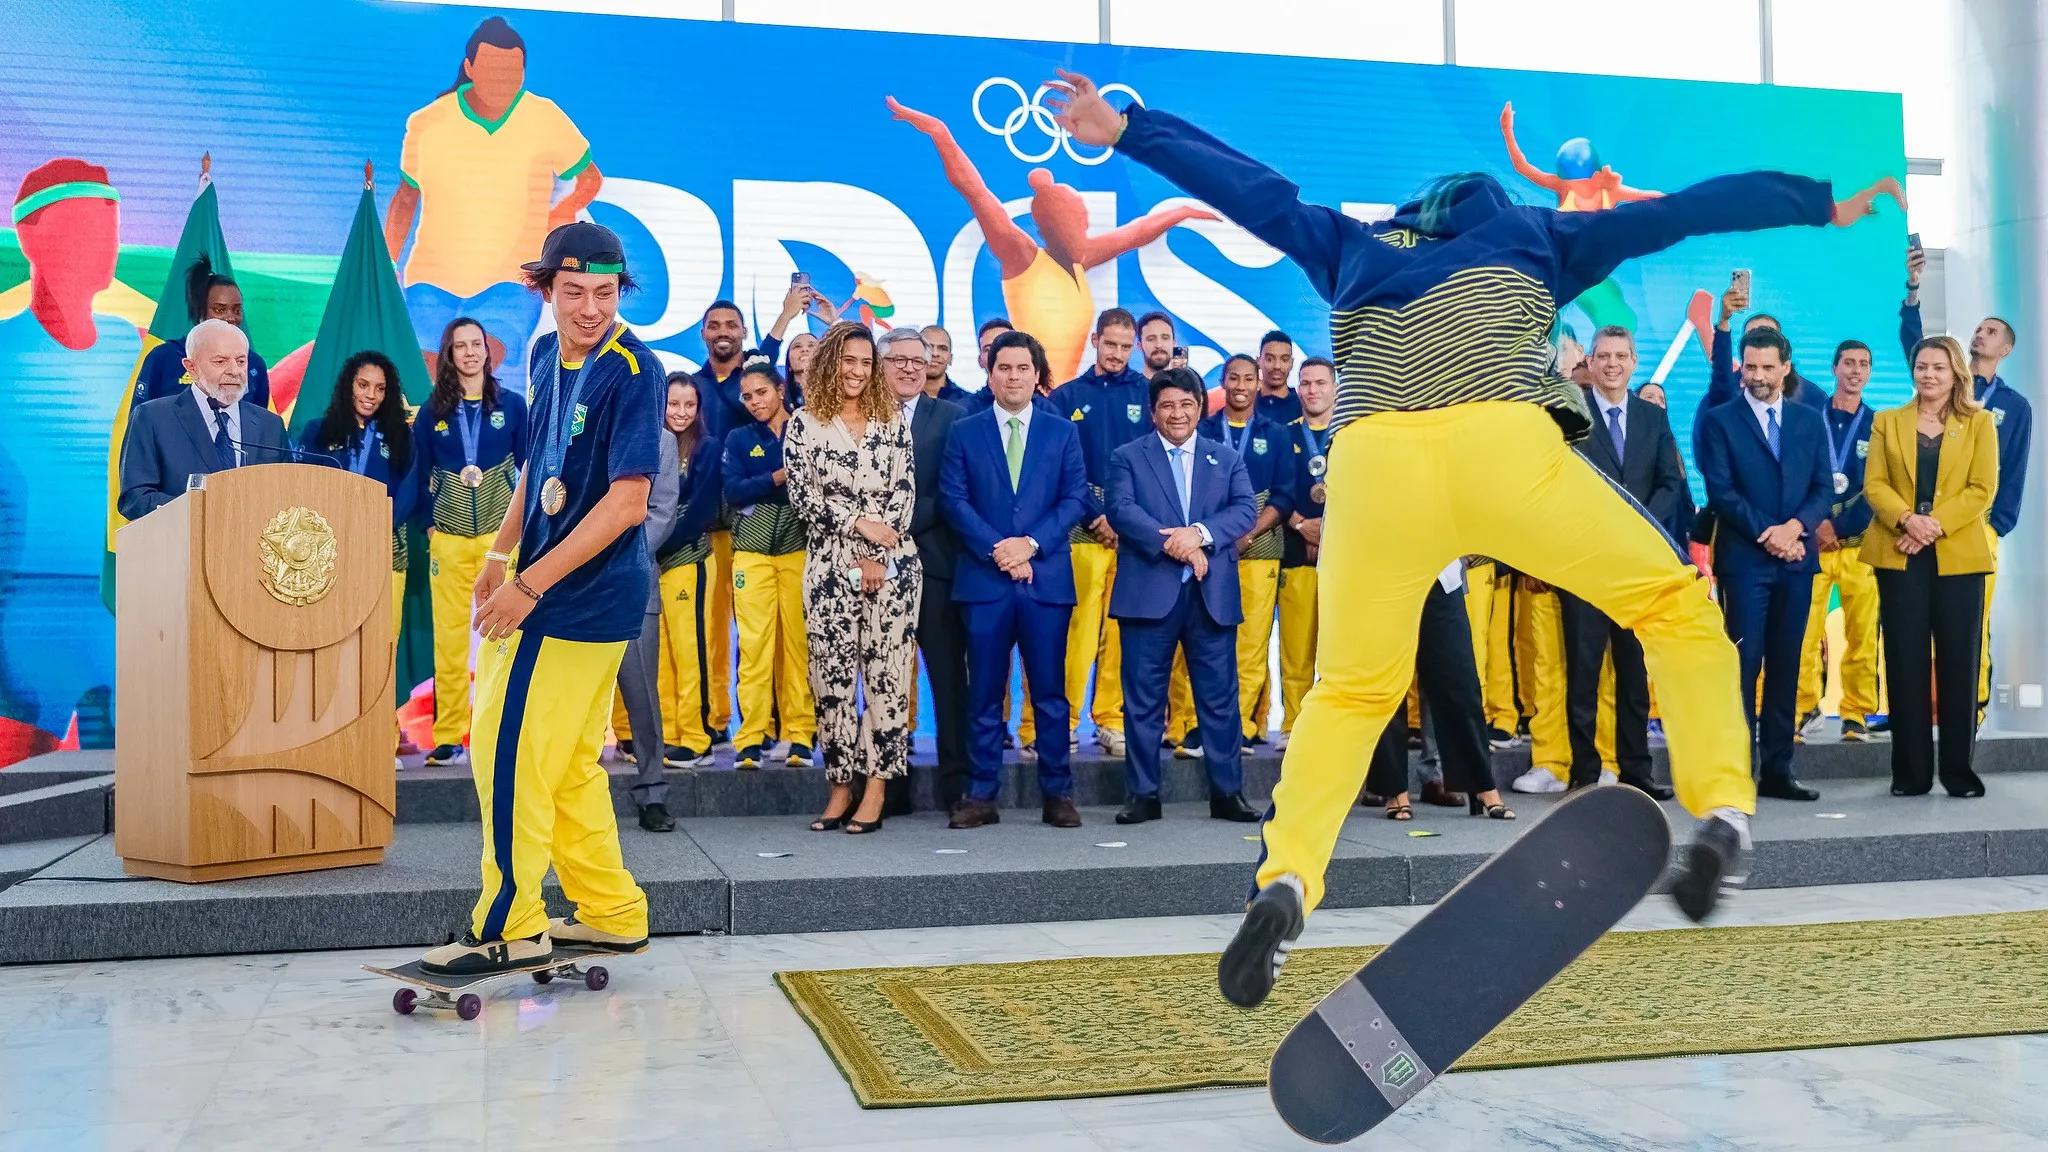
(580, 246)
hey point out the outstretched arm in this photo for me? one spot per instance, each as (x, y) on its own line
(1256, 198)
(1591, 245)
(1107, 246)
(1012, 247)
(1526, 170)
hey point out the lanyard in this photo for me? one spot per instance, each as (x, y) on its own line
(1237, 445)
(470, 422)
(1838, 454)
(554, 428)
(1990, 390)
(359, 457)
(1310, 441)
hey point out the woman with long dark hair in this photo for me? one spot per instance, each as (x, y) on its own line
(364, 431)
(686, 580)
(1930, 480)
(469, 437)
(849, 460)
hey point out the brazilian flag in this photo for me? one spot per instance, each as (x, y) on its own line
(201, 238)
(366, 313)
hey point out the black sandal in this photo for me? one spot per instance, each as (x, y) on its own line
(857, 828)
(828, 823)
(1400, 812)
(1494, 811)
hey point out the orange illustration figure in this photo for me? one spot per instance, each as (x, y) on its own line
(1581, 184)
(1045, 290)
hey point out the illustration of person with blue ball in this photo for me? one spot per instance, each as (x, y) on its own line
(1581, 184)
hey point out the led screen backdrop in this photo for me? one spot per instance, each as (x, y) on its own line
(729, 156)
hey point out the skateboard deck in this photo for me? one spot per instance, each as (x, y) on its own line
(452, 993)
(1480, 954)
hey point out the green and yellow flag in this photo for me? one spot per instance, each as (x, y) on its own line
(366, 313)
(201, 238)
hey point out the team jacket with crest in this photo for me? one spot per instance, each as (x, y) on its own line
(1268, 461)
(762, 520)
(1109, 412)
(452, 506)
(1421, 321)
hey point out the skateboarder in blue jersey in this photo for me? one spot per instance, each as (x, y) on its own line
(1454, 438)
(554, 634)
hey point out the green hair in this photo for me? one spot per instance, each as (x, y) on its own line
(1434, 200)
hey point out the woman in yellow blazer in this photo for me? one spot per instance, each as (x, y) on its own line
(1930, 479)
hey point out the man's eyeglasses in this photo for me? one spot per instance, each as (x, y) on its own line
(904, 361)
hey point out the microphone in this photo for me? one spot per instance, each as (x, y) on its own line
(288, 453)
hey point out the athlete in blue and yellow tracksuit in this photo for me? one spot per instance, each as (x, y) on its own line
(555, 633)
(1454, 439)
(688, 579)
(768, 551)
(1109, 410)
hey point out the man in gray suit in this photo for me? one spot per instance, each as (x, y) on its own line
(640, 670)
(205, 428)
(941, 638)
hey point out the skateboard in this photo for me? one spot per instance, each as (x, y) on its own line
(1480, 954)
(452, 993)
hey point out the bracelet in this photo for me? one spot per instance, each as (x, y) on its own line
(500, 557)
(519, 582)
(1123, 124)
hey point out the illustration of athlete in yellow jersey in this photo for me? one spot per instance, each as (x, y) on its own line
(478, 166)
(1581, 184)
(1045, 290)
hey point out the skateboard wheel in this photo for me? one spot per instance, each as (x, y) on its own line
(597, 977)
(544, 976)
(402, 1001)
(469, 1006)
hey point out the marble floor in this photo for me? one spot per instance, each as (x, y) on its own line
(694, 1048)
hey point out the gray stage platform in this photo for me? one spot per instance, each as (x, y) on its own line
(730, 874)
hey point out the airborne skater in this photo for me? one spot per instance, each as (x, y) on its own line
(1454, 438)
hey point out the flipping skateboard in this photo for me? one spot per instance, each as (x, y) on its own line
(453, 993)
(1480, 954)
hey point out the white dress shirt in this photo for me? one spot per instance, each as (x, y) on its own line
(1763, 412)
(234, 412)
(1187, 473)
(910, 408)
(1606, 408)
(1004, 416)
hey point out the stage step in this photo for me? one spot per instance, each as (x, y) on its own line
(771, 874)
(28, 857)
(78, 807)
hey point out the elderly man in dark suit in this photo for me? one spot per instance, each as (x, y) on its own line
(1769, 485)
(1632, 445)
(205, 428)
(905, 356)
(1179, 502)
(1012, 485)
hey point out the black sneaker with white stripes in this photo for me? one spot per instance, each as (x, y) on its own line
(1716, 864)
(1252, 962)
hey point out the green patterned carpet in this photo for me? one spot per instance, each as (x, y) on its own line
(1056, 1029)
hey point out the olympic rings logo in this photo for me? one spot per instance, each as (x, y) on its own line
(1031, 110)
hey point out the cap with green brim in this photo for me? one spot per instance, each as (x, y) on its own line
(580, 246)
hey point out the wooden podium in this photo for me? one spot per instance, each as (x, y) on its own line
(254, 667)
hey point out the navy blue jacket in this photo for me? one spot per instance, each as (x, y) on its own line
(334, 452)
(1724, 382)
(1748, 491)
(1850, 432)
(168, 441)
(2010, 414)
(721, 410)
(163, 373)
(1144, 501)
(697, 497)
(976, 498)
(984, 400)
(1109, 412)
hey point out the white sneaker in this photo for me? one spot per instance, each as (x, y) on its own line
(1537, 781)
(1111, 740)
(1609, 776)
(1188, 752)
(1279, 741)
(1074, 740)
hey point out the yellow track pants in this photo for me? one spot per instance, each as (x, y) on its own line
(540, 720)
(1258, 586)
(1539, 650)
(1843, 569)
(454, 563)
(775, 651)
(1093, 643)
(1410, 492)
(688, 708)
(1297, 596)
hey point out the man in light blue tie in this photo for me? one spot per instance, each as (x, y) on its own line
(1179, 502)
(1769, 485)
(208, 427)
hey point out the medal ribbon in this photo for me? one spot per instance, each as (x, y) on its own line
(359, 456)
(1310, 441)
(554, 446)
(472, 430)
(1243, 438)
(1838, 454)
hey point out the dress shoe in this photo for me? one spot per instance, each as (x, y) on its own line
(655, 818)
(1786, 789)
(1139, 810)
(1650, 788)
(1233, 808)
(1434, 792)
(1061, 813)
(971, 813)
